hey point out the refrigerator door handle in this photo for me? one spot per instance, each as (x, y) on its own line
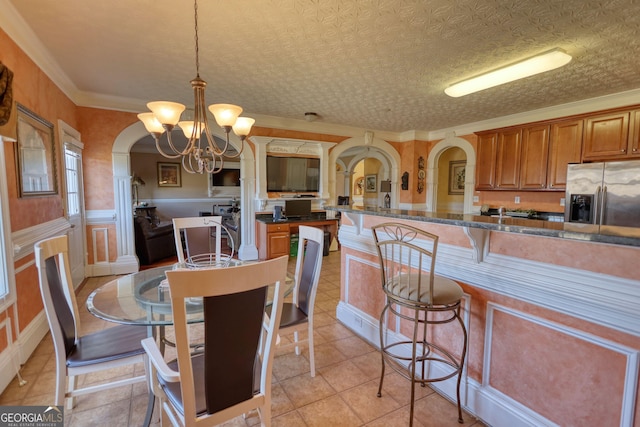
(603, 203)
(597, 208)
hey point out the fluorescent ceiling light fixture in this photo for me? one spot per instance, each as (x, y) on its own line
(546, 61)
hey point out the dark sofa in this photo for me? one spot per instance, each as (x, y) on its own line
(154, 241)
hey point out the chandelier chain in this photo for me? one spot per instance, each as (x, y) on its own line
(195, 14)
(201, 153)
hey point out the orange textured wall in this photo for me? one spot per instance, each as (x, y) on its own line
(29, 301)
(34, 90)
(99, 129)
(585, 256)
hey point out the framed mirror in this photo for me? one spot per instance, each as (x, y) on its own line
(35, 155)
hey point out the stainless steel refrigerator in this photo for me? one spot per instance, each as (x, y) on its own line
(603, 198)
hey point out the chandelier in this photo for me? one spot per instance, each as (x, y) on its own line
(198, 156)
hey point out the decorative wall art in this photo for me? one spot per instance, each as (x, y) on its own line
(405, 181)
(421, 174)
(370, 183)
(358, 187)
(457, 176)
(35, 155)
(169, 175)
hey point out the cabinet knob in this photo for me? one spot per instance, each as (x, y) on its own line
(635, 149)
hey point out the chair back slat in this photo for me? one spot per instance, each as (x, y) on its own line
(197, 241)
(62, 311)
(307, 278)
(407, 261)
(202, 235)
(231, 352)
(237, 333)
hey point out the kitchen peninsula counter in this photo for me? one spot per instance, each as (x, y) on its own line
(533, 227)
(552, 315)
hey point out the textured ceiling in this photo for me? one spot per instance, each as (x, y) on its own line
(377, 64)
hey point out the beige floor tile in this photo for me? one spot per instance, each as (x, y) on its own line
(363, 400)
(280, 402)
(326, 354)
(289, 365)
(304, 389)
(290, 419)
(370, 364)
(343, 375)
(334, 331)
(399, 388)
(343, 393)
(436, 411)
(397, 418)
(332, 411)
(112, 414)
(353, 346)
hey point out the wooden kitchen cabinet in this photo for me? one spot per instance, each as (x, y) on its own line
(606, 137)
(565, 147)
(486, 161)
(534, 157)
(273, 240)
(508, 159)
(634, 142)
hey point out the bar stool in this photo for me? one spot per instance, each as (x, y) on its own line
(416, 294)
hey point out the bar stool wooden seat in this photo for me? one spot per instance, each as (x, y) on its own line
(415, 294)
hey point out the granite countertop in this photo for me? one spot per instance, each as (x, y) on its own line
(268, 218)
(533, 227)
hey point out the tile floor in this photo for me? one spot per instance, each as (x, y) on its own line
(343, 393)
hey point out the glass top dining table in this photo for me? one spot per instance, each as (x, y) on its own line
(142, 298)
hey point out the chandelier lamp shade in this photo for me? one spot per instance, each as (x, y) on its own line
(201, 153)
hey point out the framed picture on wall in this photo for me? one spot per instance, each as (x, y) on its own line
(456, 176)
(35, 155)
(169, 175)
(370, 184)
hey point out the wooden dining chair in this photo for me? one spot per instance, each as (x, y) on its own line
(199, 240)
(297, 316)
(78, 354)
(232, 376)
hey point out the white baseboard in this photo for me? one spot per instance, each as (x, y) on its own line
(19, 351)
(8, 363)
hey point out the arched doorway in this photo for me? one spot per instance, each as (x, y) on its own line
(451, 180)
(354, 150)
(433, 171)
(126, 261)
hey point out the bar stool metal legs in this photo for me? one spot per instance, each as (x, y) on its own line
(415, 294)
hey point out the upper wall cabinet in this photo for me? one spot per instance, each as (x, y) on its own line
(565, 147)
(534, 158)
(486, 161)
(612, 136)
(529, 158)
(508, 159)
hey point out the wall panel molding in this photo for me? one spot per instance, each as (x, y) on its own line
(599, 298)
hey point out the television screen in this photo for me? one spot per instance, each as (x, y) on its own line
(293, 174)
(226, 178)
